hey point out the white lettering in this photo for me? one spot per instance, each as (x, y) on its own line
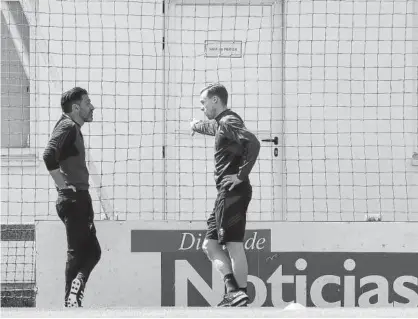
(317, 287)
(301, 289)
(381, 291)
(191, 241)
(260, 243)
(251, 240)
(199, 242)
(183, 240)
(260, 291)
(277, 279)
(184, 273)
(405, 292)
(254, 242)
(378, 292)
(349, 285)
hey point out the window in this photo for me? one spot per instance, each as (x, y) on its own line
(15, 95)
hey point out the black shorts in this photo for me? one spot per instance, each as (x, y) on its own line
(227, 221)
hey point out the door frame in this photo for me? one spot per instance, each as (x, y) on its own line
(169, 8)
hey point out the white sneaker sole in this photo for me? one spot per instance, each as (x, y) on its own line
(242, 303)
(239, 301)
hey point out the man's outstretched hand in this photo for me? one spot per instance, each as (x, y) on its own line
(192, 123)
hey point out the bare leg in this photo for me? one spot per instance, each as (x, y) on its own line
(217, 256)
(238, 262)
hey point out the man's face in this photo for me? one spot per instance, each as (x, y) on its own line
(208, 105)
(86, 109)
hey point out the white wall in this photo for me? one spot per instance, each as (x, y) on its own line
(14, 80)
(350, 117)
(140, 277)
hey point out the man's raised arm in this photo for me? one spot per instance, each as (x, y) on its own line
(207, 127)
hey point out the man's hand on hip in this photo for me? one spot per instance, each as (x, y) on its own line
(231, 181)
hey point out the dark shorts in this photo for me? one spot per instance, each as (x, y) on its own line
(227, 221)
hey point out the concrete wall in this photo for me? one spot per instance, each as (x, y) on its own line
(315, 264)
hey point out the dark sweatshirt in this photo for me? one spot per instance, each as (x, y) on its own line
(236, 148)
(65, 150)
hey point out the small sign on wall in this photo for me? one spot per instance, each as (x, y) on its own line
(223, 49)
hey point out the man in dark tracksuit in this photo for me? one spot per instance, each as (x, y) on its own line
(236, 151)
(64, 158)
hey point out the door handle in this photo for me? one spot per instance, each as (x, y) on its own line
(274, 140)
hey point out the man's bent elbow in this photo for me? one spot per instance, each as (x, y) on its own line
(49, 161)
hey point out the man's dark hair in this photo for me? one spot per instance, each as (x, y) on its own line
(71, 96)
(217, 89)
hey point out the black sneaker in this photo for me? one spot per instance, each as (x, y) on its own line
(233, 299)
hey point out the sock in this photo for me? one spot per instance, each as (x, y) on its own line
(230, 283)
(243, 289)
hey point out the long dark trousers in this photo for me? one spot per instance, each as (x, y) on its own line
(76, 211)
